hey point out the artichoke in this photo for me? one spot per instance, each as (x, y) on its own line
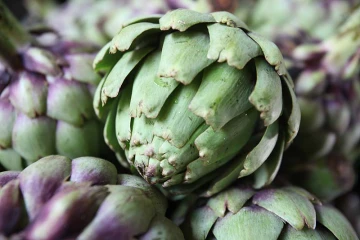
(102, 20)
(194, 99)
(318, 18)
(326, 76)
(84, 198)
(240, 213)
(46, 99)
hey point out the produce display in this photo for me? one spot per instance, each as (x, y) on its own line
(179, 119)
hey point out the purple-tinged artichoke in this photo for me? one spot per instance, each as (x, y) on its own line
(46, 93)
(84, 198)
(241, 213)
(194, 99)
(97, 21)
(327, 83)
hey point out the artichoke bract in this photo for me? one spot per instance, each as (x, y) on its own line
(193, 99)
(241, 213)
(46, 99)
(83, 198)
(326, 76)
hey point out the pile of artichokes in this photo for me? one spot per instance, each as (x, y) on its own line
(178, 119)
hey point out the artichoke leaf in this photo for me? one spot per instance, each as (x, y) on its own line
(229, 19)
(10, 207)
(63, 93)
(294, 116)
(231, 45)
(34, 138)
(229, 97)
(162, 228)
(335, 222)
(37, 188)
(290, 233)
(216, 148)
(101, 110)
(271, 52)
(247, 224)
(174, 180)
(232, 200)
(212, 144)
(181, 157)
(11, 160)
(105, 60)
(7, 120)
(268, 171)
(227, 176)
(110, 133)
(183, 55)
(294, 208)
(120, 71)
(123, 119)
(146, 84)
(182, 19)
(74, 141)
(267, 94)
(153, 18)
(142, 132)
(203, 219)
(262, 151)
(177, 124)
(123, 222)
(22, 92)
(127, 35)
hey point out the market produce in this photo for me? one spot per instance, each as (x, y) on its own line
(326, 76)
(241, 213)
(83, 198)
(46, 90)
(194, 99)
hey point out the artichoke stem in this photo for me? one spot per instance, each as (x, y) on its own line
(12, 28)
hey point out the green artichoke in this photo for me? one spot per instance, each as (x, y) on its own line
(102, 19)
(47, 106)
(84, 198)
(194, 99)
(326, 77)
(318, 18)
(240, 213)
